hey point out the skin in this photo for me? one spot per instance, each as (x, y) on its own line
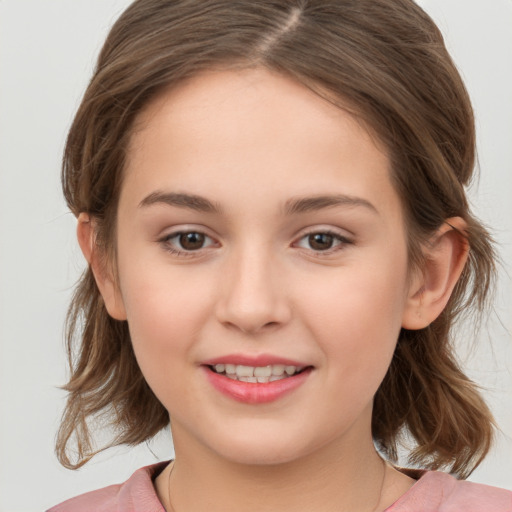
(250, 142)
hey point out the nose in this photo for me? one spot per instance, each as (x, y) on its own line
(253, 297)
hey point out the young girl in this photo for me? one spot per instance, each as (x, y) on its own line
(270, 196)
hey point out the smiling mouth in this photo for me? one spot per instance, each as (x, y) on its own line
(256, 374)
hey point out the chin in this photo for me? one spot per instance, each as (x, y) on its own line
(261, 449)
(262, 457)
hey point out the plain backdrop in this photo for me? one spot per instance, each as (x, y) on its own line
(47, 51)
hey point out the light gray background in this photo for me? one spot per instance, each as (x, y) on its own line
(47, 50)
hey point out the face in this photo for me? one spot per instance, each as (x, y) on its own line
(259, 236)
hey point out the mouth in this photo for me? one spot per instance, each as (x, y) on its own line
(256, 379)
(257, 374)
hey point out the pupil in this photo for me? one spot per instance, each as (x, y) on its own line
(320, 241)
(191, 241)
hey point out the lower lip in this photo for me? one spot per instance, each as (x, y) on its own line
(256, 393)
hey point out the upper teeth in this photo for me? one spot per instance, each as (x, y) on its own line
(268, 373)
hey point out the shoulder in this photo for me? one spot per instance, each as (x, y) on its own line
(137, 493)
(439, 492)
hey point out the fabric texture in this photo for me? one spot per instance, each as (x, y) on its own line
(433, 492)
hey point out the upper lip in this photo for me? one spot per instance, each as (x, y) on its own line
(253, 360)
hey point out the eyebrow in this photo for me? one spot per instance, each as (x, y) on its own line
(314, 203)
(190, 201)
(291, 207)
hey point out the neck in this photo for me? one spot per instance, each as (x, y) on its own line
(337, 478)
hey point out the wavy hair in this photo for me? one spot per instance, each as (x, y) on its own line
(385, 60)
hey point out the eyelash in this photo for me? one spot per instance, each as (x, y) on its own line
(340, 242)
(166, 242)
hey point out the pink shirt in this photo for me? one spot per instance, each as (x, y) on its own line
(433, 492)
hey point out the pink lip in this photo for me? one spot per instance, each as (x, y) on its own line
(255, 393)
(249, 360)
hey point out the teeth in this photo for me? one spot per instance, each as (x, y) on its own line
(290, 370)
(263, 371)
(244, 371)
(262, 374)
(277, 369)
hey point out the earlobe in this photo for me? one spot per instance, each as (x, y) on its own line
(105, 281)
(445, 257)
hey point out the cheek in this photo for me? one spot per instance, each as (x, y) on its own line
(359, 341)
(162, 319)
(164, 310)
(356, 317)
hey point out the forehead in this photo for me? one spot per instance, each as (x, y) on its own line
(255, 131)
(215, 94)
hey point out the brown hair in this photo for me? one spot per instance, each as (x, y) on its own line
(386, 60)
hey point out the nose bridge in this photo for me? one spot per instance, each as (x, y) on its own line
(252, 297)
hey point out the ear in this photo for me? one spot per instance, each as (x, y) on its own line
(445, 256)
(105, 281)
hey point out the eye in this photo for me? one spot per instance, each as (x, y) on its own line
(323, 241)
(186, 241)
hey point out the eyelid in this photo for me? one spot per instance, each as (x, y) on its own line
(342, 238)
(165, 239)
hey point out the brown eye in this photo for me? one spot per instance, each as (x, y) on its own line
(320, 241)
(191, 241)
(323, 241)
(183, 243)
